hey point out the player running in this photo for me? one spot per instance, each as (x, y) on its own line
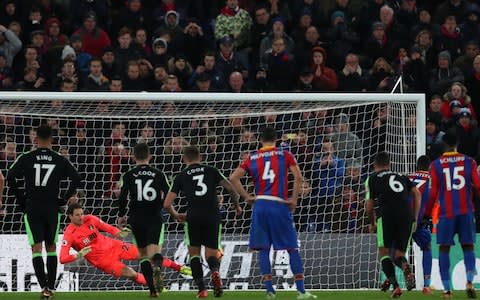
(147, 187)
(199, 183)
(391, 216)
(272, 222)
(43, 170)
(104, 253)
(454, 178)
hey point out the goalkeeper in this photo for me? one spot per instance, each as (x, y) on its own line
(104, 253)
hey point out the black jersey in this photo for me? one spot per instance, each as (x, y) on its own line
(43, 170)
(390, 191)
(199, 185)
(147, 187)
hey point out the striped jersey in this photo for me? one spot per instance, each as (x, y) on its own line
(453, 178)
(268, 169)
(421, 179)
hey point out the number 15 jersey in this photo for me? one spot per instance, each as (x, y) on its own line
(453, 178)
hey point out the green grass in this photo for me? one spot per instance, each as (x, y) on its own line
(327, 295)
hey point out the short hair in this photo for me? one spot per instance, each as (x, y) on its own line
(423, 163)
(44, 132)
(382, 159)
(269, 134)
(450, 140)
(72, 207)
(141, 151)
(191, 153)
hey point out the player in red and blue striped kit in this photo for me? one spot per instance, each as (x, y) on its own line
(272, 221)
(423, 235)
(454, 178)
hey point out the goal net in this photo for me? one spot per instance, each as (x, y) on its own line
(333, 137)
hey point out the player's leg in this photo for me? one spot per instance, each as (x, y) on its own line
(467, 240)
(385, 233)
(445, 233)
(403, 234)
(36, 235)
(423, 238)
(51, 240)
(211, 237)
(193, 241)
(113, 266)
(147, 270)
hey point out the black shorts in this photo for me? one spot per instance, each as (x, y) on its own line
(394, 231)
(203, 233)
(147, 231)
(42, 227)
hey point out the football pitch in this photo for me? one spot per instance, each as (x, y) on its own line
(327, 295)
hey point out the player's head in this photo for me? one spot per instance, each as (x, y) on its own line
(191, 154)
(268, 136)
(75, 213)
(44, 133)
(141, 152)
(423, 163)
(381, 161)
(449, 141)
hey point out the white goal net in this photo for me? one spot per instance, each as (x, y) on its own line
(333, 136)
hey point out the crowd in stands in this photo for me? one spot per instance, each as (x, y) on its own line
(244, 46)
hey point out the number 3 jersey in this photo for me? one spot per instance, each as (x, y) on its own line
(268, 169)
(198, 183)
(147, 188)
(390, 192)
(453, 178)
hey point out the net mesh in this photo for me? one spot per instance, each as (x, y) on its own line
(334, 144)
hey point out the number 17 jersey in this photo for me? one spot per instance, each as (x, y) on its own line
(453, 178)
(268, 169)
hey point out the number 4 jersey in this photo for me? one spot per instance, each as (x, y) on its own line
(453, 178)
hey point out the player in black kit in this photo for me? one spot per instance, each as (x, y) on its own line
(392, 217)
(198, 183)
(147, 188)
(42, 170)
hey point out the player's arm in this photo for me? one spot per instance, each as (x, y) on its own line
(15, 172)
(102, 226)
(475, 178)
(237, 184)
(417, 200)
(297, 182)
(75, 180)
(65, 256)
(122, 202)
(369, 206)
(171, 196)
(434, 187)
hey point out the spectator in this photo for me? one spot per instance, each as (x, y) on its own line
(281, 67)
(8, 154)
(393, 29)
(425, 23)
(194, 43)
(457, 8)
(172, 84)
(457, 92)
(407, 14)
(260, 30)
(31, 81)
(305, 80)
(67, 85)
(467, 133)
(305, 21)
(109, 66)
(451, 38)
(324, 78)
(68, 71)
(10, 44)
(181, 68)
(434, 110)
(303, 49)
(415, 71)
(434, 138)
(80, 8)
(352, 78)
(96, 81)
(160, 56)
(382, 76)
(344, 7)
(278, 31)
(236, 83)
(6, 74)
(470, 28)
(370, 14)
(465, 62)
(217, 79)
(165, 6)
(228, 60)
(342, 38)
(160, 75)
(140, 40)
(235, 22)
(379, 44)
(9, 13)
(35, 20)
(126, 50)
(16, 28)
(306, 209)
(473, 83)
(442, 77)
(133, 16)
(173, 29)
(425, 42)
(132, 81)
(348, 146)
(53, 34)
(94, 39)
(203, 83)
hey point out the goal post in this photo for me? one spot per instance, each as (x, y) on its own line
(333, 137)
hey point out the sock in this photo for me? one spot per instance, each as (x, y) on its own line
(402, 263)
(168, 263)
(146, 267)
(39, 268)
(213, 263)
(140, 279)
(157, 259)
(197, 272)
(389, 270)
(266, 270)
(52, 269)
(297, 270)
(444, 262)
(469, 260)
(427, 267)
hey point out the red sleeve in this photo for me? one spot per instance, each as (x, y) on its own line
(246, 164)
(433, 191)
(445, 110)
(65, 256)
(291, 161)
(475, 178)
(472, 110)
(104, 226)
(329, 78)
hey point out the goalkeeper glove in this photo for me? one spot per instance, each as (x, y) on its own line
(84, 252)
(124, 232)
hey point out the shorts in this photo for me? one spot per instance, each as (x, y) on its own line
(422, 237)
(394, 232)
(147, 232)
(207, 234)
(42, 227)
(113, 264)
(272, 224)
(463, 225)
